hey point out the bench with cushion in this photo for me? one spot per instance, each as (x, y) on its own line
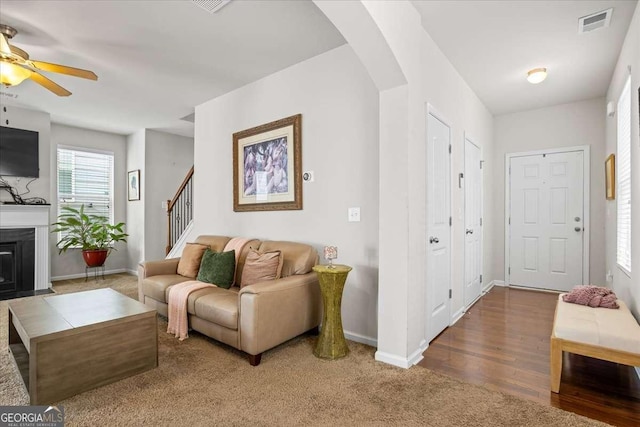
(602, 333)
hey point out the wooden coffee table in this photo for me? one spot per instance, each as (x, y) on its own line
(66, 344)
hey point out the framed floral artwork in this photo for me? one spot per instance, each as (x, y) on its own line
(267, 166)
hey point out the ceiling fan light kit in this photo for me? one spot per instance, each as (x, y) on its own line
(15, 66)
(12, 74)
(537, 75)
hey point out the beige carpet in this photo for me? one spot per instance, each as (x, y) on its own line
(201, 382)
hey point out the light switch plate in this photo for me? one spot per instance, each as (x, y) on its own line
(354, 214)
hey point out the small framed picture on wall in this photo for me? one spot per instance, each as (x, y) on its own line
(133, 185)
(610, 176)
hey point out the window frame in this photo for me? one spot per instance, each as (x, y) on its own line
(626, 92)
(111, 199)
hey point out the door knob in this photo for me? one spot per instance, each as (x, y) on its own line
(469, 231)
(578, 229)
(576, 219)
(433, 240)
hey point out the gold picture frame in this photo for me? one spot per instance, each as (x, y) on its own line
(610, 176)
(267, 166)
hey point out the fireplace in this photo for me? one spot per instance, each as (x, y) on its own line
(17, 261)
(21, 219)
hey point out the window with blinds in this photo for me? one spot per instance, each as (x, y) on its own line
(623, 171)
(86, 178)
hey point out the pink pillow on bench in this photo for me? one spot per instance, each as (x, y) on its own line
(593, 296)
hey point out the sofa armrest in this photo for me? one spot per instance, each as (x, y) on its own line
(155, 268)
(275, 311)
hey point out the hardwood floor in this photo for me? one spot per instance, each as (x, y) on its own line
(502, 342)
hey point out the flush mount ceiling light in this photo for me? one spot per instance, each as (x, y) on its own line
(537, 75)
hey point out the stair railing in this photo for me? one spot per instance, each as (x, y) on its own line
(180, 211)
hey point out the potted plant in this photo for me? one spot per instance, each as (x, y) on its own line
(91, 233)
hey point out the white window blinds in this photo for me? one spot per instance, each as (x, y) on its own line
(86, 178)
(623, 171)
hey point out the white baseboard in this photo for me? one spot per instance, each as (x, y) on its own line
(132, 272)
(417, 356)
(402, 362)
(81, 275)
(352, 336)
(457, 316)
(495, 283)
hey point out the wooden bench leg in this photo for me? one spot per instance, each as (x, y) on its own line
(556, 364)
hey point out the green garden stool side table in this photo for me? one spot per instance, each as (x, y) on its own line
(331, 342)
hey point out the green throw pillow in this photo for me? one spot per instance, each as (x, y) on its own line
(218, 268)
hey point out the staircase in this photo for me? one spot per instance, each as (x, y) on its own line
(180, 211)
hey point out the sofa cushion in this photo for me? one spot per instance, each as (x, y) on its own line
(190, 259)
(218, 268)
(156, 286)
(220, 306)
(298, 257)
(259, 267)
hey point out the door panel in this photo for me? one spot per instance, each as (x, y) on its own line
(438, 237)
(473, 229)
(546, 223)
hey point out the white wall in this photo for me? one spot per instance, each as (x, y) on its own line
(168, 158)
(38, 121)
(431, 79)
(627, 288)
(566, 125)
(339, 107)
(135, 209)
(71, 262)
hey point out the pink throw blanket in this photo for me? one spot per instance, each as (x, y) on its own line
(236, 244)
(593, 296)
(178, 295)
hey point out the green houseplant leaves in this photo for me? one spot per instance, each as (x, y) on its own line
(86, 231)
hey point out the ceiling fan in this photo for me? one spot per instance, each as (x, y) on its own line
(15, 66)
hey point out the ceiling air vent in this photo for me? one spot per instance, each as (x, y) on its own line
(594, 21)
(211, 6)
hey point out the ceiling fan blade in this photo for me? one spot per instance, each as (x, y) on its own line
(63, 69)
(53, 87)
(4, 45)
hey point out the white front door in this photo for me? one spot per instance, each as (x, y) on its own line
(438, 227)
(472, 221)
(547, 220)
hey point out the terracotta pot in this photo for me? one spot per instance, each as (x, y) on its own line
(94, 258)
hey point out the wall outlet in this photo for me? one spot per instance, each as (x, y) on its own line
(354, 214)
(609, 276)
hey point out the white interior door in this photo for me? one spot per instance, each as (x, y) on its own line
(438, 226)
(472, 221)
(547, 220)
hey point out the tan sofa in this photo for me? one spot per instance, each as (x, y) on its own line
(255, 318)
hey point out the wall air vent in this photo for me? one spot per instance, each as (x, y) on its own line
(594, 21)
(211, 6)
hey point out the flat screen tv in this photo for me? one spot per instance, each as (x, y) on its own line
(19, 153)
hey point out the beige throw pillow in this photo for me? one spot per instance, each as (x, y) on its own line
(259, 267)
(189, 263)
